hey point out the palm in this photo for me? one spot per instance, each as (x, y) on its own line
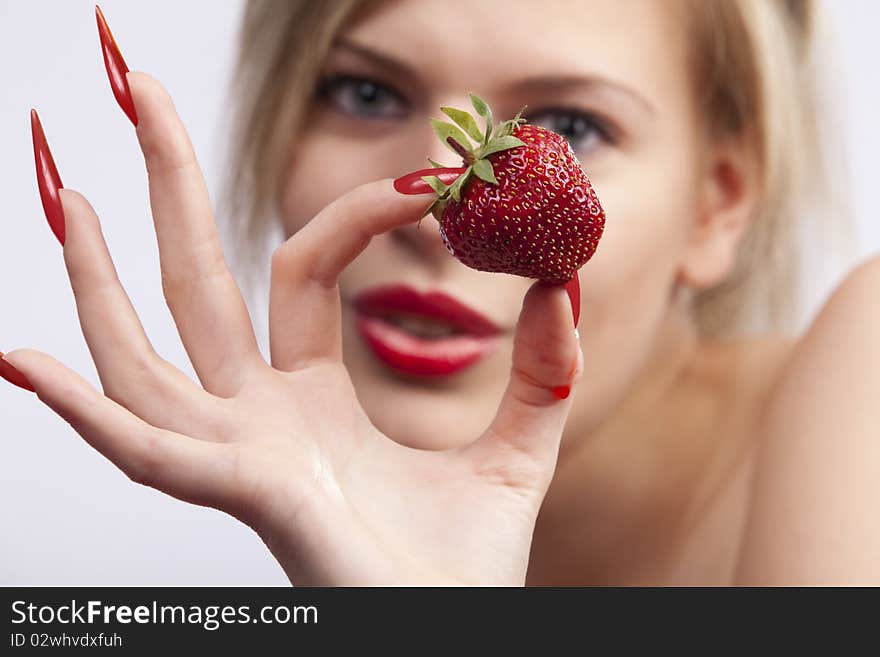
(438, 516)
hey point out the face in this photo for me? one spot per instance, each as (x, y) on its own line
(610, 76)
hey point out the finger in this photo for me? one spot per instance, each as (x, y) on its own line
(204, 299)
(304, 305)
(192, 470)
(131, 372)
(547, 362)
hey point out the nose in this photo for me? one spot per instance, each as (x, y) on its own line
(422, 239)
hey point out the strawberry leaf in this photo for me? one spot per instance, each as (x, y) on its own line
(483, 169)
(445, 130)
(436, 208)
(507, 127)
(455, 187)
(504, 130)
(436, 184)
(436, 165)
(464, 121)
(483, 110)
(499, 144)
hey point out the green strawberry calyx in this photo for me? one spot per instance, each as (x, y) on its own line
(458, 135)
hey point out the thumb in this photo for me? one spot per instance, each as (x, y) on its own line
(547, 362)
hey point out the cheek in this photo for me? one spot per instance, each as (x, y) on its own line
(627, 285)
(321, 172)
(648, 199)
(328, 164)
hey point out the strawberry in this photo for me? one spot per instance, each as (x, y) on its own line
(523, 205)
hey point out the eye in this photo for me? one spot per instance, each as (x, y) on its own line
(361, 97)
(583, 130)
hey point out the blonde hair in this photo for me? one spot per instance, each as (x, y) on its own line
(754, 72)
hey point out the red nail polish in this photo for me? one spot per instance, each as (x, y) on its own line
(562, 392)
(116, 67)
(8, 372)
(48, 180)
(573, 287)
(412, 183)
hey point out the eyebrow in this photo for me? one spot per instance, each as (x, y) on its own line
(386, 62)
(542, 85)
(537, 86)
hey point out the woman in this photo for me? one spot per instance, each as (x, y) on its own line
(689, 453)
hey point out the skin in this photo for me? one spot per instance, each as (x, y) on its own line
(646, 255)
(653, 482)
(682, 461)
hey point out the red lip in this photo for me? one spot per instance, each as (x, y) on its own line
(475, 336)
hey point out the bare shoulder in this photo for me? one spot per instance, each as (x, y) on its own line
(852, 312)
(816, 480)
(847, 325)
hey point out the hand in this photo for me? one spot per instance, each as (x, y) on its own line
(286, 448)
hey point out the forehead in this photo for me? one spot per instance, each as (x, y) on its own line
(487, 43)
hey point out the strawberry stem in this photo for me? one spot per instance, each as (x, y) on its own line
(475, 160)
(466, 155)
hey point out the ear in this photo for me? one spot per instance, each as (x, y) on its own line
(726, 201)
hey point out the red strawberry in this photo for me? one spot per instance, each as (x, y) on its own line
(524, 205)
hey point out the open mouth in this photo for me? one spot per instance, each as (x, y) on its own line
(423, 334)
(422, 327)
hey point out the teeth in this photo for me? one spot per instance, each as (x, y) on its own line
(423, 328)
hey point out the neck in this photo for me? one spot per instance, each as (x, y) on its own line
(624, 490)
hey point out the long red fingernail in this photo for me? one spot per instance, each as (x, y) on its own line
(116, 67)
(412, 183)
(48, 180)
(573, 287)
(8, 372)
(562, 392)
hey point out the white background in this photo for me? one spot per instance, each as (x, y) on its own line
(66, 515)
